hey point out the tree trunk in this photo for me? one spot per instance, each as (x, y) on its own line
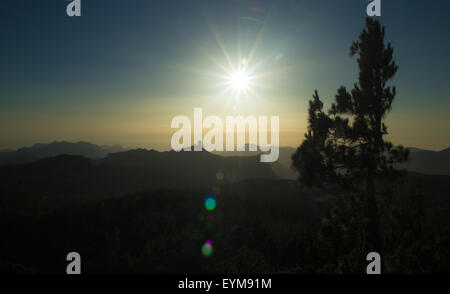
(375, 239)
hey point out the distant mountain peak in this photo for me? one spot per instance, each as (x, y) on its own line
(40, 150)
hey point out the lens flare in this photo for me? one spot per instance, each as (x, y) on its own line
(210, 202)
(207, 249)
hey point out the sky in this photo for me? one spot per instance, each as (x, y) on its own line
(120, 72)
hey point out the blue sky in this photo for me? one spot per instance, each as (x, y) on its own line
(122, 70)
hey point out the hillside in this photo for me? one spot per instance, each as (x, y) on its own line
(77, 178)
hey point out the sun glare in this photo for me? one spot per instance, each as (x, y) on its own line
(239, 81)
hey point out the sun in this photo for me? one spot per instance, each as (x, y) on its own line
(239, 81)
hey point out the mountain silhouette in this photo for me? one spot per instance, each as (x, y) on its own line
(281, 167)
(146, 203)
(188, 168)
(421, 161)
(429, 162)
(79, 178)
(40, 151)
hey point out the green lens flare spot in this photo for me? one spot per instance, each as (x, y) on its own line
(207, 249)
(210, 203)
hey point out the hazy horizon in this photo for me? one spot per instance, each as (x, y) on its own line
(153, 148)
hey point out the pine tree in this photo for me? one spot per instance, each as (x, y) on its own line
(346, 145)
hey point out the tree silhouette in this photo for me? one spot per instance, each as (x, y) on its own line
(346, 145)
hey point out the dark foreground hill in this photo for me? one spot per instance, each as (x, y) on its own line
(143, 211)
(258, 226)
(68, 178)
